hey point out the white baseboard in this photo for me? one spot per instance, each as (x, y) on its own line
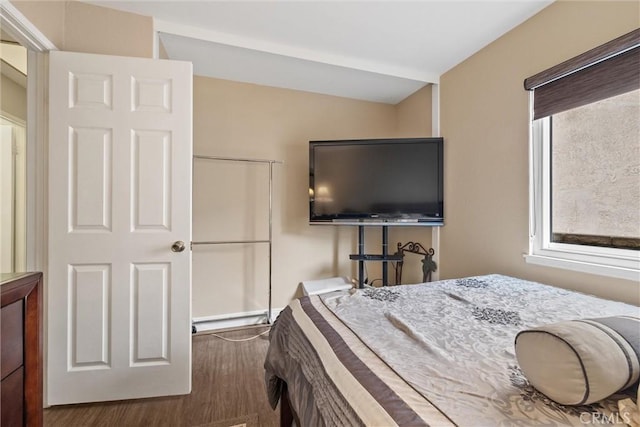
(234, 320)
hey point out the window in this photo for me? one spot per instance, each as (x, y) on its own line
(595, 182)
(585, 162)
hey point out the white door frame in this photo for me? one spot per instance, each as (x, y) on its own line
(19, 27)
(37, 44)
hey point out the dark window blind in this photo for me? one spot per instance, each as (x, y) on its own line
(602, 72)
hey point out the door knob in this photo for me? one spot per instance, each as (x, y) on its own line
(178, 246)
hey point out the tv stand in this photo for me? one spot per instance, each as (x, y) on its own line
(385, 257)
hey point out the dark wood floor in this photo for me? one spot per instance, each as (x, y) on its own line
(228, 390)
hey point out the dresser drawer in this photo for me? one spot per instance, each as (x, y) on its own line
(12, 336)
(12, 400)
(21, 349)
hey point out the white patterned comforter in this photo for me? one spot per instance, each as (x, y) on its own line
(453, 342)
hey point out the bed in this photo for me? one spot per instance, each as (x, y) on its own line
(439, 354)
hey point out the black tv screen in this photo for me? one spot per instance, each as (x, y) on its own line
(381, 180)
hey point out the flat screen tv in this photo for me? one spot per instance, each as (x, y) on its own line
(390, 181)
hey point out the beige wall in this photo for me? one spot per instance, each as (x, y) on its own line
(13, 98)
(484, 119)
(413, 114)
(81, 27)
(245, 120)
(47, 16)
(413, 117)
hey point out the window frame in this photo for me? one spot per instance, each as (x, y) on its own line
(610, 262)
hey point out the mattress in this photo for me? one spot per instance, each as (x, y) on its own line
(438, 353)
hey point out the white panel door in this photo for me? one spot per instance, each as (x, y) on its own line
(119, 297)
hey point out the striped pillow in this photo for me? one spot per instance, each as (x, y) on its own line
(579, 362)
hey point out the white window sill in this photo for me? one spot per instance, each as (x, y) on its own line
(585, 267)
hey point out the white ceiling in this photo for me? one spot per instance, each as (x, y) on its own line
(380, 51)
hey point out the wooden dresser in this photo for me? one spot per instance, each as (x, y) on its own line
(21, 349)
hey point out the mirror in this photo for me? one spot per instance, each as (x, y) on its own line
(13, 117)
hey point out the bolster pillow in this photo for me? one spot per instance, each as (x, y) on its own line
(578, 362)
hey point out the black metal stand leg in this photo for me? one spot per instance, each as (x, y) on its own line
(385, 258)
(361, 252)
(385, 265)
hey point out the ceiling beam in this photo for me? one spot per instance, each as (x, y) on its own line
(294, 52)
